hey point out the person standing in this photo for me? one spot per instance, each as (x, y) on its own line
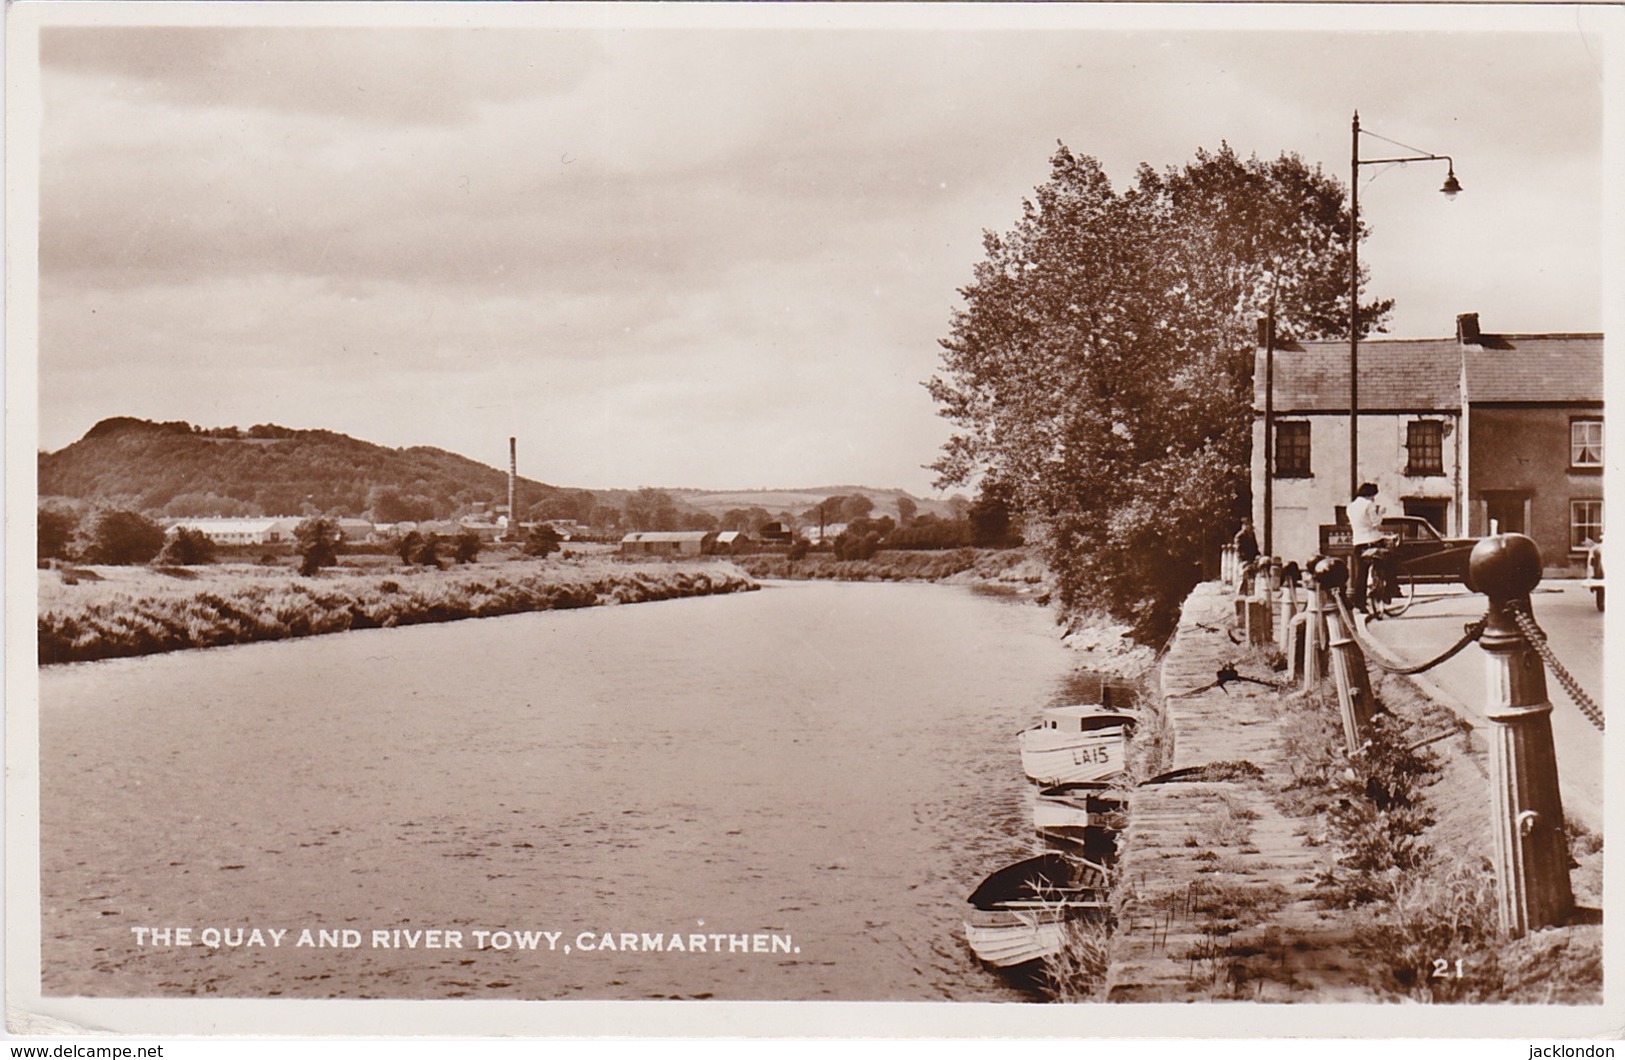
(1366, 535)
(1246, 542)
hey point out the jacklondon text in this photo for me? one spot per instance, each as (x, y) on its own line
(469, 939)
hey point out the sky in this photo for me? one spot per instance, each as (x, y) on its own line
(716, 249)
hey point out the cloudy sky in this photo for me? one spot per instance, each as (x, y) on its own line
(682, 249)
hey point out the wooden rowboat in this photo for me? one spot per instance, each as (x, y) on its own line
(1019, 914)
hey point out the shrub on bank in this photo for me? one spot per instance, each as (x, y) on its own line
(277, 610)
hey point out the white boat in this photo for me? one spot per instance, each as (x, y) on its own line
(1019, 914)
(1064, 811)
(1076, 743)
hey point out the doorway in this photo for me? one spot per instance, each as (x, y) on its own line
(1506, 512)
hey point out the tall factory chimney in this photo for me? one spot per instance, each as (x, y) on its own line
(513, 484)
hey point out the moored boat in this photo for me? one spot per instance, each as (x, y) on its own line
(1019, 914)
(1064, 810)
(1076, 743)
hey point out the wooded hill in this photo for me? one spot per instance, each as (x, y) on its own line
(176, 469)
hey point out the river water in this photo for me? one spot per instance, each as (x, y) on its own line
(830, 766)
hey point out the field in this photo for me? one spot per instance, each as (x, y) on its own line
(103, 612)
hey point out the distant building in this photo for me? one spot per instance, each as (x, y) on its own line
(667, 542)
(730, 543)
(356, 529)
(828, 532)
(254, 530)
(1468, 432)
(774, 537)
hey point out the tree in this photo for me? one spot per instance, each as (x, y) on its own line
(121, 537)
(466, 546)
(408, 546)
(855, 506)
(317, 541)
(989, 516)
(542, 541)
(187, 547)
(863, 537)
(697, 521)
(54, 536)
(906, 510)
(651, 509)
(1101, 366)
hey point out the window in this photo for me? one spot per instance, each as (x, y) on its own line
(1292, 449)
(1585, 443)
(1424, 441)
(1585, 524)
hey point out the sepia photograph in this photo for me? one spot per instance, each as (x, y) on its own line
(1058, 519)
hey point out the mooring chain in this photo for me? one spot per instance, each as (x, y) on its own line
(1472, 632)
(1537, 640)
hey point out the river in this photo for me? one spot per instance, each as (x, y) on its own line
(829, 766)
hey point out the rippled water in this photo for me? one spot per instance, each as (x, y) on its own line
(835, 763)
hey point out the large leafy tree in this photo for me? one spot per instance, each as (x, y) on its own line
(1100, 369)
(121, 537)
(317, 541)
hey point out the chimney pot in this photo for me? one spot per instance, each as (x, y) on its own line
(1467, 332)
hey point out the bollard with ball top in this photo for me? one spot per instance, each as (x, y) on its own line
(1526, 808)
(1314, 646)
(1347, 664)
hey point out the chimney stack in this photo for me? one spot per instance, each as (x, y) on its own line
(1467, 329)
(513, 483)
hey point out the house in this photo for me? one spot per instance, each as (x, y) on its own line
(1466, 432)
(1534, 438)
(355, 529)
(252, 530)
(730, 543)
(666, 542)
(775, 536)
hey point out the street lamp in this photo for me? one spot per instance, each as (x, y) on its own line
(1451, 188)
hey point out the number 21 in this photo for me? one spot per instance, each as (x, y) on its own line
(1443, 969)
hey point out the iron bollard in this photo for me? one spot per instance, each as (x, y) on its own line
(1347, 664)
(1526, 808)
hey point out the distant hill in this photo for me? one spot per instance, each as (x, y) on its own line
(718, 502)
(177, 469)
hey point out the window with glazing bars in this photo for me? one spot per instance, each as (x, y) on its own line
(1292, 449)
(1424, 442)
(1585, 524)
(1585, 443)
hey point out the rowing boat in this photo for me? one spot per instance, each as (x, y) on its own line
(1019, 914)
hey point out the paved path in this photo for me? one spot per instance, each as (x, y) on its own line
(1219, 881)
(1574, 629)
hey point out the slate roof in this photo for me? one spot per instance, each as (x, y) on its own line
(1404, 374)
(1534, 368)
(1416, 374)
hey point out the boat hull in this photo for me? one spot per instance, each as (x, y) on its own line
(1009, 938)
(1019, 914)
(1052, 757)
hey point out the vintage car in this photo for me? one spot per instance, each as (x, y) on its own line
(1422, 553)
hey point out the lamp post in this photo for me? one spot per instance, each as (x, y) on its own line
(1450, 189)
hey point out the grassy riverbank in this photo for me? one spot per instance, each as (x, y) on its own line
(105, 612)
(1015, 569)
